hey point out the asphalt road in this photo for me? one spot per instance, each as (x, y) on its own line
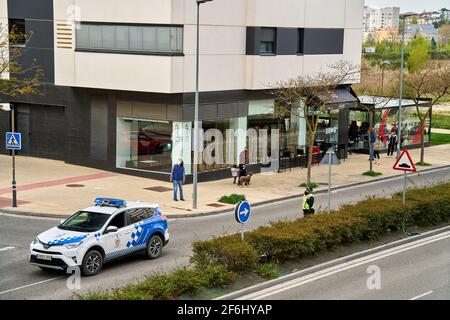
(417, 270)
(20, 280)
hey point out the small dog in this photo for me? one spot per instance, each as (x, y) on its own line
(245, 180)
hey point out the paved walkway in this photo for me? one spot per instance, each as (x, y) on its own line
(54, 187)
(442, 131)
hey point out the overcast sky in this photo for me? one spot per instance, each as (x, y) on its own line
(410, 5)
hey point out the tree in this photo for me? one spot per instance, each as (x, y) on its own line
(308, 96)
(418, 55)
(16, 79)
(430, 83)
(444, 34)
(414, 20)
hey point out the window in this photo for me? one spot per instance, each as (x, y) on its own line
(301, 40)
(140, 214)
(17, 32)
(118, 221)
(130, 38)
(267, 45)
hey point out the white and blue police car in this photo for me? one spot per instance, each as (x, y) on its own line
(109, 230)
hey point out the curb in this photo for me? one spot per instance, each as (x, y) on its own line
(325, 265)
(230, 210)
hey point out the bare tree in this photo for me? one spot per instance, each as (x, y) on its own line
(308, 96)
(16, 79)
(431, 83)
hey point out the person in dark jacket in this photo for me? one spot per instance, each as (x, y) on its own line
(393, 140)
(308, 202)
(178, 177)
(242, 172)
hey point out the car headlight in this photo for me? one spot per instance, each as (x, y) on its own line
(73, 245)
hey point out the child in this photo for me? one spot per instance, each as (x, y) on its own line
(377, 147)
(235, 173)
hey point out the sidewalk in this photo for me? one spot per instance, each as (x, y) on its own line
(57, 188)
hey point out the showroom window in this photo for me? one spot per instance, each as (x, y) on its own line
(130, 38)
(144, 144)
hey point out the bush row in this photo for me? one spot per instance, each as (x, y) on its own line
(169, 286)
(290, 240)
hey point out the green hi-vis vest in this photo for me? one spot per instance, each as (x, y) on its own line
(305, 202)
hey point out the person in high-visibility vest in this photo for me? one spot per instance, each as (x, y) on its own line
(308, 202)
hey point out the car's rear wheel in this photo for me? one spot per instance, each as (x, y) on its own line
(92, 263)
(154, 247)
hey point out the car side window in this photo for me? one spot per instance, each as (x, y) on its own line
(118, 221)
(136, 215)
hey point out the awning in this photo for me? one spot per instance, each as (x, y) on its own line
(341, 98)
(387, 103)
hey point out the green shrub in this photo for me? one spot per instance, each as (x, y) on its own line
(268, 271)
(372, 174)
(232, 199)
(311, 185)
(229, 251)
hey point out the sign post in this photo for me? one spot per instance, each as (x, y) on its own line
(405, 163)
(13, 143)
(330, 159)
(242, 214)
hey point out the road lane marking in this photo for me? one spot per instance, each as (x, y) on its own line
(6, 248)
(422, 295)
(30, 285)
(339, 268)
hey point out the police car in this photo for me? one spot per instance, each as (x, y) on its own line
(109, 230)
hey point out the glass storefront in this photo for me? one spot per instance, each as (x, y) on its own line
(144, 144)
(384, 121)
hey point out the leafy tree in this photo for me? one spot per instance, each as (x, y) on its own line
(418, 54)
(15, 78)
(431, 83)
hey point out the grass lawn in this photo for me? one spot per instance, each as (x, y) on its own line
(439, 138)
(441, 120)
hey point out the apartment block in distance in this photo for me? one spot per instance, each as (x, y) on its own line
(120, 75)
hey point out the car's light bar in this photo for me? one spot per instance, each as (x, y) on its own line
(108, 202)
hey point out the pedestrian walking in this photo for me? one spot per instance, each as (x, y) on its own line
(235, 173)
(308, 202)
(372, 140)
(377, 147)
(178, 178)
(392, 145)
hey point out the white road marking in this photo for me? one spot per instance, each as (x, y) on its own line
(30, 285)
(6, 248)
(422, 295)
(339, 268)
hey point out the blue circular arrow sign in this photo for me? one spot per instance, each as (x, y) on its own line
(242, 212)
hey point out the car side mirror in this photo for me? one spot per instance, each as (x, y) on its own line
(111, 229)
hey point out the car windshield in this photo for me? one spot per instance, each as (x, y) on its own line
(84, 221)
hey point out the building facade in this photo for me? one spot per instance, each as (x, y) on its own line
(120, 75)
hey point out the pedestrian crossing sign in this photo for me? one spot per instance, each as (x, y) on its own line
(13, 141)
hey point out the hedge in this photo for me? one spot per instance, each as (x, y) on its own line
(291, 240)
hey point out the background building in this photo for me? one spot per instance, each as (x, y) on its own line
(120, 75)
(381, 21)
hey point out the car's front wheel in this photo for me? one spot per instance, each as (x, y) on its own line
(154, 247)
(92, 263)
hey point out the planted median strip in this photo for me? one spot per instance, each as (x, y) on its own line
(217, 262)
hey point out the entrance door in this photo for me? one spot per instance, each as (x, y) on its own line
(47, 132)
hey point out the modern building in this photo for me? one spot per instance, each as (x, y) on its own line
(427, 31)
(382, 18)
(120, 75)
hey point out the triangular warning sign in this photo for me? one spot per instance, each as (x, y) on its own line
(12, 141)
(405, 163)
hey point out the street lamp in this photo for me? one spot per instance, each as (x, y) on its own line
(196, 122)
(402, 66)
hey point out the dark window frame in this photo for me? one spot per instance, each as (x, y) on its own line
(273, 42)
(20, 26)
